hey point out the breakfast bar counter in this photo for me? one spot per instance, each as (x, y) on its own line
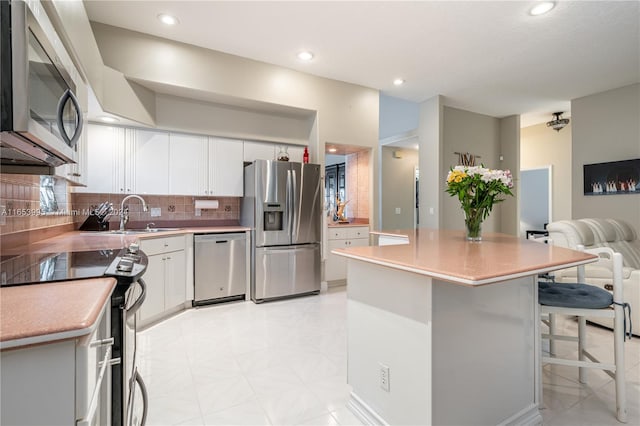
(446, 331)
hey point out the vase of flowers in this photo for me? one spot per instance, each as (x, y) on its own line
(478, 189)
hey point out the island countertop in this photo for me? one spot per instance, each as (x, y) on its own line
(447, 255)
(43, 313)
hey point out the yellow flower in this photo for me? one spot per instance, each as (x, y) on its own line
(456, 176)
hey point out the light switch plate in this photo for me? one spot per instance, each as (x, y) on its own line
(398, 210)
(156, 211)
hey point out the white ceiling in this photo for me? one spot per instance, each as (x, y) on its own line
(490, 57)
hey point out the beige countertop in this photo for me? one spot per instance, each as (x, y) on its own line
(44, 313)
(352, 222)
(447, 255)
(94, 240)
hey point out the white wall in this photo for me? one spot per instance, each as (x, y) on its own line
(606, 127)
(542, 146)
(346, 114)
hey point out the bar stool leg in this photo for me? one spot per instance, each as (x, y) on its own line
(552, 332)
(582, 343)
(618, 347)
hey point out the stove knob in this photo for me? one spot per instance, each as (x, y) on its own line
(133, 248)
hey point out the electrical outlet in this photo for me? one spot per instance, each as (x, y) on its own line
(398, 210)
(156, 211)
(384, 377)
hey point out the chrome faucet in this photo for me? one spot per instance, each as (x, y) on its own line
(124, 213)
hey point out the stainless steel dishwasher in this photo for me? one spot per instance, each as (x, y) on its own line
(220, 272)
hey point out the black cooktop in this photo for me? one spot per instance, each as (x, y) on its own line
(38, 268)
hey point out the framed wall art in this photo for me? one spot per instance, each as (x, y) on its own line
(613, 178)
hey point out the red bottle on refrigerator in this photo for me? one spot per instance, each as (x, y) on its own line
(305, 156)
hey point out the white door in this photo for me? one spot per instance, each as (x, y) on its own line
(188, 162)
(105, 159)
(226, 167)
(150, 162)
(175, 291)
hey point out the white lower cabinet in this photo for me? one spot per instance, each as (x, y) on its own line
(341, 237)
(55, 383)
(166, 277)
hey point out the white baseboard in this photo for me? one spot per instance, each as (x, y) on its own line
(529, 416)
(363, 412)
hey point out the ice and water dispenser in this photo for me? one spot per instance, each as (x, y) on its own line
(273, 215)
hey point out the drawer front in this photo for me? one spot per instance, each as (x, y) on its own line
(337, 233)
(153, 246)
(358, 232)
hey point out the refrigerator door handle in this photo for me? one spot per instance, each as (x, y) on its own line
(289, 204)
(294, 204)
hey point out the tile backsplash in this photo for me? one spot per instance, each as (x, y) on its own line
(172, 207)
(357, 176)
(20, 205)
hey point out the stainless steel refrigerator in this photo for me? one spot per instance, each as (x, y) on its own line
(282, 204)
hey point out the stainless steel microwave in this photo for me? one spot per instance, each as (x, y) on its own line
(41, 119)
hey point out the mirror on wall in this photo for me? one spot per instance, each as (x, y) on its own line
(347, 178)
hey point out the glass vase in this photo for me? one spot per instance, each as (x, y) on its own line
(473, 224)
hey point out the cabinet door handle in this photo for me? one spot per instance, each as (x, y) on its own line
(168, 258)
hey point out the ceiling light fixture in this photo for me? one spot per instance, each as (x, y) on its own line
(108, 119)
(542, 7)
(558, 122)
(398, 82)
(167, 19)
(305, 55)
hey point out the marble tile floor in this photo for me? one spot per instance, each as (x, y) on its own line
(284, 363)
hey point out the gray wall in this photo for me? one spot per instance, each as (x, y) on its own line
(606, 127)
(478, 134)
(398, 187)
(509, 159)
(430, 135)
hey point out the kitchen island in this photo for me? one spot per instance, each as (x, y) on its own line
(446, 331)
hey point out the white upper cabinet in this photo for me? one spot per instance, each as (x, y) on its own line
(144, 161)
(188, 164)
(105, 159)
(149, 163)
(127, 161)
(226, 168)
(200, 165)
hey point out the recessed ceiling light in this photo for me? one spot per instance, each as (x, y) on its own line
(305, 55)
(398, 82)
(542, 7)
(108, 119)
(332, 150)
(167, 19)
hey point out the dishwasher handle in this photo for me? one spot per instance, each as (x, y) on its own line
(218, 238)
